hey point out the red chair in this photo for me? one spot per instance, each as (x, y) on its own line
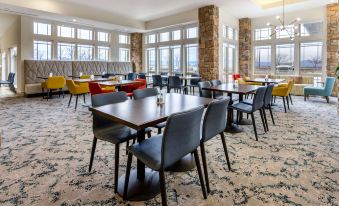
(141, 84)
(235, 76)
(94, 88)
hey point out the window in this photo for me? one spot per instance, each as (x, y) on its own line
(230, 33)
(263, 34)
(124, 55)
(164, 59)
(64, 31)
(85, 34)
(103, 36)
(262, 59)
(285, 33)
(164, 36)
(150, 56)
(192, 52)
(42, 28)
(176, 59)
(224, 31)
(285, 58)
(42, 50)
(151, 39)
(192, 32)
(311, 56)
(66, 51)
(85, 52)
(123, 39)
(310, 29)
(230, 58)
(103, 53)
(176, 35)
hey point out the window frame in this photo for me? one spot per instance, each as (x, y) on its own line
(49, 47)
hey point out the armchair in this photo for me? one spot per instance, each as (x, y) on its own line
(325, 91)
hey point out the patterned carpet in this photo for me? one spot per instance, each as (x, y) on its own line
(45, 152)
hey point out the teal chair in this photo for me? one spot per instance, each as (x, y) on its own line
(325, 91)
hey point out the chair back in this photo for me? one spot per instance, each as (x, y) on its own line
(290, 85)
(328, 86)
(235, 76)
(11, 77)
(104, 99)
(142, 75)
(143, 93)
(216, 82)
(174, 82)
(85, 76)
(56, 82)
(205, 93)
(163, 73)
(195, 81)
(215, 119)
(268, 94)
(131, 76)
(71, 86)
(258, 100)
(94, 88)
(157, 81)
(141, 84)
(181, 135)
(178, 74)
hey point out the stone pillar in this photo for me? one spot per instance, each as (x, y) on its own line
(332, 42)
(245, 47)
(136, 51)
(209, 42)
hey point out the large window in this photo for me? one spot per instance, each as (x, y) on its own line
(151, 39)
(64, 31)
(284, 58)
(192, 32)
(311, 57)
(103, 36)
(230, 33)
(164, 59)
(192, 52)
(176, 35)
(103, 53)
(66, 51)
(124, 55)
(176, 59)
(285, 33)
(164, 36)
(262, 61)
(42, 50)
(85, 52)
(85, 34)
(228, 59)
(310, 29)
(151, 62)
(263, 34)
(42, 28)
(123, 39)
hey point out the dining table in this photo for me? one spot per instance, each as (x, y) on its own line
(265, 81)
(231, 89)
(97, 79)
(140, 114)
(118, 83)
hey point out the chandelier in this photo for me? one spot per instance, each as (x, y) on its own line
(289, 29)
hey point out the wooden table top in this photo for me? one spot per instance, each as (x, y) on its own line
(230, 88)
(263, 80)
(181, 77)
(118, 83)
(142, 113)
(100, 79)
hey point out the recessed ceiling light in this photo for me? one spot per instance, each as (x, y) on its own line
(332, 1)
(74, 20)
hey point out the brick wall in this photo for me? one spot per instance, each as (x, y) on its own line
(136, 51)
(209, 42)
(245, 46)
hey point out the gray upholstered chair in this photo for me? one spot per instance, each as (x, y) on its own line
(202, 92)
(194, 82)
(143, 93)
(181, 137)
(157, 81)
(214, 123)
(258, 103)
(216, 82)
(107, 130)
(175, 83)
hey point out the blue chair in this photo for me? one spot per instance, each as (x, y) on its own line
(132, 76)
(325, 91)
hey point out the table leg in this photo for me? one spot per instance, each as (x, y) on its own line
(143, 182)
(231, 127)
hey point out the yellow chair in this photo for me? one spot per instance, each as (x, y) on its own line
(284, 91)
(53, 83)
(76, 90)
(84, 77)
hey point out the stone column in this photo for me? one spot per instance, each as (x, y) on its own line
(209, 42)
(332, 42)
(245, 47)
(136, 51)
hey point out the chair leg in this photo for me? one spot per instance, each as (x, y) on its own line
(204, 165)
(262, 120)
(76, 101)
(288, 102)
(159, 130)
(127, 145)
(70, 99)
(84, 98)
(63, 93)
(290, 98)
(163, 187)
(128, 171)
(284, 104)
(238, 117)
(48, 91)
(197, 162)
(305, 97)
(116, 168)
(327, 99)
(265, 118)
(270, 108)
(225, 150)
(149, 134)
(254, 127)
(92, 154)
